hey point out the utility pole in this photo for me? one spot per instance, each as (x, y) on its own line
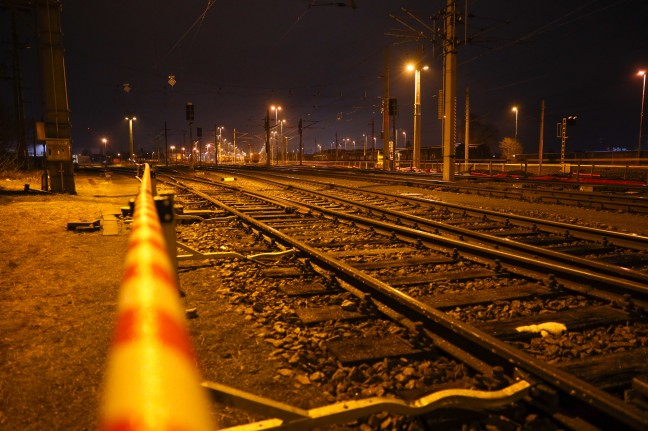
(189, 111)
(336, 147)
(166, 145)
(199, 136)
(267, 130)
(373, 142)
(216, 144)
(23, 154)
(467, 137)
(541, 143)
(393, 103)
(449, 93)
(562, 134)
(416, 150)
(386, 111)
(58, 137)
(301, 143)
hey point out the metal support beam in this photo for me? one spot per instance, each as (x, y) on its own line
(58, 136)
(450, 94)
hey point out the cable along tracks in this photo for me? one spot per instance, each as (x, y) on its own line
(479, 305)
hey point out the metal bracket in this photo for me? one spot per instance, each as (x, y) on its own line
(286, 417)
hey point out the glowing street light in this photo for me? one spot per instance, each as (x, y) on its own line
(218, 145)
(643, 94)
(515, 109)
(130, 134)
(276, 110)
(416, 151)
(105, 142)
(284, 145)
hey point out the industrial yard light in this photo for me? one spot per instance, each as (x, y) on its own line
(105, 142)
(515, 109)
(130, 134)
(643, 94)
(416, 151)
(217, 150)
(276, 110)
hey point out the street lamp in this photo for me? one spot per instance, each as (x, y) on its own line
(130, 134)
(172, 153)
(416, 151)
(284, 146)
(105, 142)
(643, 94)
(276, 110)
(515, 109)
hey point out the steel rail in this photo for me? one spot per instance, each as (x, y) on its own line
(593, 270)
(403, 178)
(450, 328)
(627, 240)
(530, 251)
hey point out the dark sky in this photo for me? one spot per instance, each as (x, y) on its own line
(323, 63)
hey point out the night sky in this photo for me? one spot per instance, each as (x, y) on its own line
(234, 58)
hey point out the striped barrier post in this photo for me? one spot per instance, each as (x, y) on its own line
(152, 382)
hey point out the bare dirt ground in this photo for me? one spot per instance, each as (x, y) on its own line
(59, 291)
(58, 296)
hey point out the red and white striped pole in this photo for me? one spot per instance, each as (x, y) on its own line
(152, 382)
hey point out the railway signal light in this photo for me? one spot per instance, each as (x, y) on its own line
(393, 107)
(190, 111)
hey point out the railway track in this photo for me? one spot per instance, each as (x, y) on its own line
(530, 236)
(611, 197)
(475, 307)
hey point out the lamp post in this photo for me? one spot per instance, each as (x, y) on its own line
(218, 144)
(515, 109)
(105, 142)
(276, 110)
(130, 135)
(643, 94)
(284, 146)
(416, 151)
(172, 153)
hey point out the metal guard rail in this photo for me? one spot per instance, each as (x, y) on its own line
(151, 382)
